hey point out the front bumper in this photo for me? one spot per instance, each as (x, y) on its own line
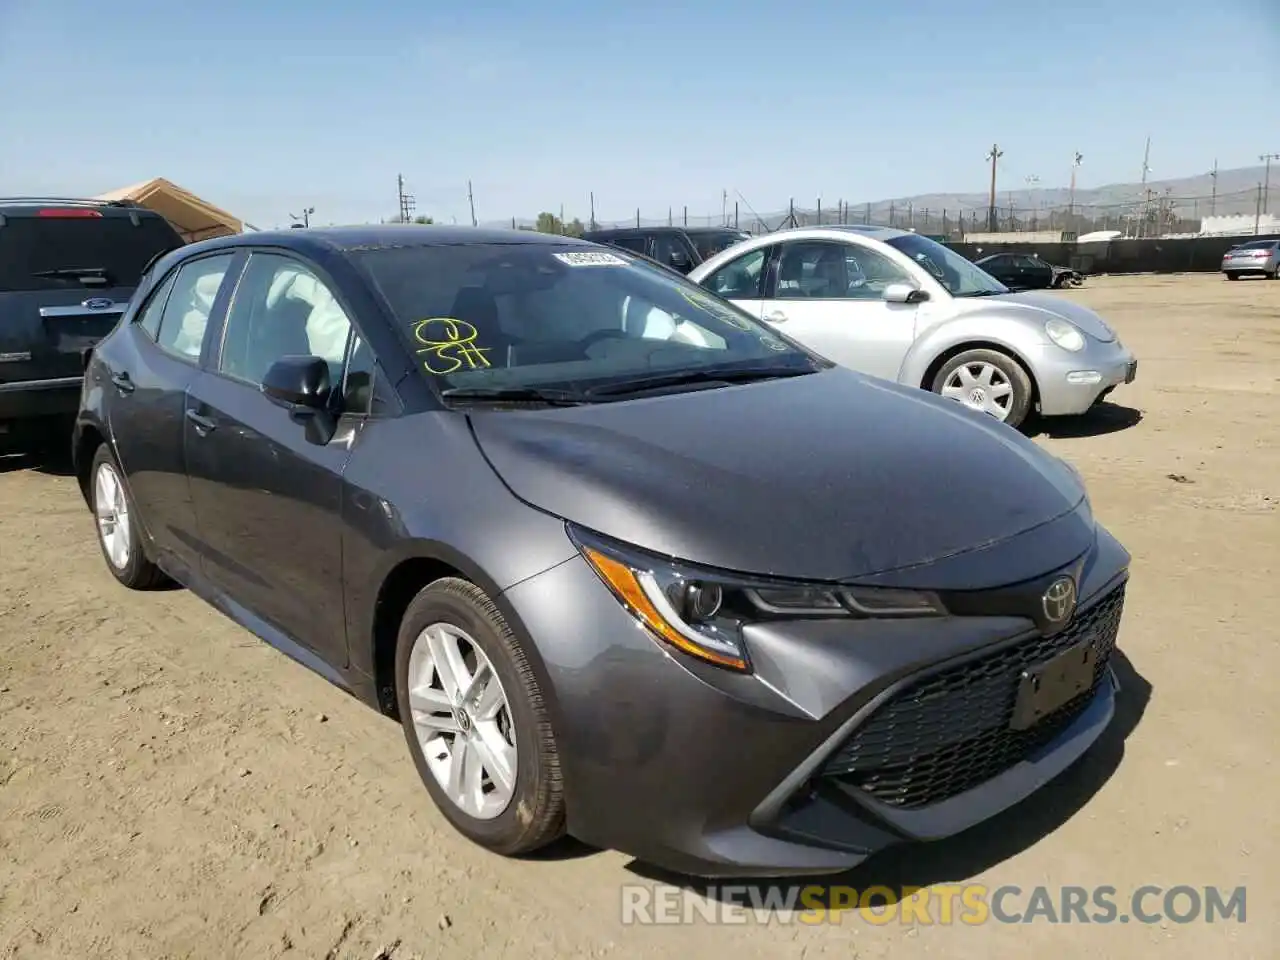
(841, 742)
(1071, 383)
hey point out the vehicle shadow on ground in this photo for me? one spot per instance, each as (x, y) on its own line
(968, 854)
(1103, 419)
(53, 464)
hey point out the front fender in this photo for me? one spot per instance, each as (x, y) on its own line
(978, 328)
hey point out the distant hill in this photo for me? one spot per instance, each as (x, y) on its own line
(1189, 198)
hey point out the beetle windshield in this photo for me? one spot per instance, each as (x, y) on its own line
(547, 316)
(961, 277)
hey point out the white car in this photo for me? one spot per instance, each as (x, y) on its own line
(900, 306)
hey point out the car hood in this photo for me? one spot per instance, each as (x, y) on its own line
(1042, 306)
(828, 476)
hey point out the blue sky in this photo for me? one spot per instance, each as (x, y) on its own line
(265, 107)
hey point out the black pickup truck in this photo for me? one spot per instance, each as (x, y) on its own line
(67, 270)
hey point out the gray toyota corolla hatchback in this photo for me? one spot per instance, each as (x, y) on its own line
(623, 562)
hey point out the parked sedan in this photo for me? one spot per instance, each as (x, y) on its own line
(553, 508)
(1024, 271)
(1257, 257)
(905, 308)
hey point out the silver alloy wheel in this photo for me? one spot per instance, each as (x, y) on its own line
(981, 386)
(111, 510)
(463, 720)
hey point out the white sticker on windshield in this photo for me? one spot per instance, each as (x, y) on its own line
(590, 258)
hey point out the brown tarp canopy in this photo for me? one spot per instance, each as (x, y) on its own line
(192, 217)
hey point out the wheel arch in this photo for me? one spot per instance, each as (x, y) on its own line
(419, 565)
(88, 439)
(945, 356)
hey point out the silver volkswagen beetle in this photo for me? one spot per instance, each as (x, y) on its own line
(900, 306)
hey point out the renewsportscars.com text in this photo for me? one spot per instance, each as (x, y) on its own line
(942, 904)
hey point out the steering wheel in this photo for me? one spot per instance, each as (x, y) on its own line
(591, 339)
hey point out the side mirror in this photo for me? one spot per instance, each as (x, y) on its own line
(301, 385)
(680, 261)
(298, 382)
(904, 293)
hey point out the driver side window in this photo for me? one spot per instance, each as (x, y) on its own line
(739, 279)
(826, 270)
(281, 309)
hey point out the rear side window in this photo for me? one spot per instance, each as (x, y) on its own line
(149, 316)
(57, 253)
(187, 310)
(634, 244)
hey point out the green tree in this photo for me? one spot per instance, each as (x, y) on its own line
(423, 219)
(548, 223)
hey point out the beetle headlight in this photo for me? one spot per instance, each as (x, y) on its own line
(1065, 335)
(702, 612)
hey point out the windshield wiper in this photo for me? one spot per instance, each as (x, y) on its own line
(982, 293)
(72, 272)
(707, 375)
(559, 398)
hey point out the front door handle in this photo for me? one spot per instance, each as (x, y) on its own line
(204, 426)
(124, 383)
(776, 317)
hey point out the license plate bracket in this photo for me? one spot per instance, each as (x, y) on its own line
(1050, 685)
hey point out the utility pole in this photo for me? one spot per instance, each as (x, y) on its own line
(995, 154)
(1071, 203)
(1213, 199)
(1266, 180)
(724, 208)
(593, 210)
(1146, 169)
(1033, 181)
(1257, 211)
(471, 200)
(305, 218)
(406, 200)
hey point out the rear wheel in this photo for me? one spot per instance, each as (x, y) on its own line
(1233, 276)
(987, 381)
(117, 524)
(475, 720)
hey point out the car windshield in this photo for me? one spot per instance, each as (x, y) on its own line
(566, 318)
(961, 277)
(709, 244)
(51, 253)
(1257, 245)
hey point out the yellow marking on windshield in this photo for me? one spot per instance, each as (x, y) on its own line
(716, 309)
(446, 340)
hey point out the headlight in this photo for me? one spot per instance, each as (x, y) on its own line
(1065, 335)
(702, 612)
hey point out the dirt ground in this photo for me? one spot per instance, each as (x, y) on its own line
(172, 787)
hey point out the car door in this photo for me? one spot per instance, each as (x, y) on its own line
(1035, 273)
(742, 280)
(1001, 267)
(152, 362)
(829, 295)
(268, 500)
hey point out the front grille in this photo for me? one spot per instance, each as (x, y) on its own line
(948, 732)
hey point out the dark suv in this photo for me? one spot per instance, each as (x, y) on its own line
(681, 248)
(67, 271)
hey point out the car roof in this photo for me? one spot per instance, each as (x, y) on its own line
(614, 231)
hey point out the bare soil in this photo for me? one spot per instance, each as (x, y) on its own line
(172, 787)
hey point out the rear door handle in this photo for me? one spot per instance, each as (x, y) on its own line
(776, 317)
(204, 426)
(123, 382)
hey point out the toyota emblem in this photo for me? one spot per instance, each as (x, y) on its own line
(1059, 601)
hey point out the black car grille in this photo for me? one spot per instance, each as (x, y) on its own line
(949, 731)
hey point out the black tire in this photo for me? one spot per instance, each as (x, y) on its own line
(138, 572)
(535, 815)
(1012, 370)
(1233, 276)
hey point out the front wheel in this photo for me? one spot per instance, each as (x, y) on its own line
(988, 381)
(119, 534)
(475, 720)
